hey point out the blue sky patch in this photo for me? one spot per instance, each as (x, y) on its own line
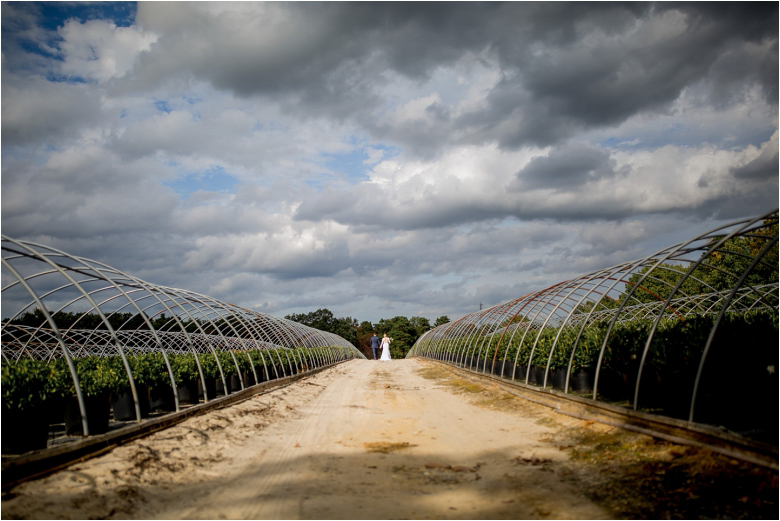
(354, 164)
(163, 106)
(54, 14)
(215, 179)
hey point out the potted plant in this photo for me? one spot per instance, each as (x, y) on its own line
(28, 395)
(122, 402)
(262, 366)
(242, 357)
(208, 363)
(98, 379)
(586, 357)
(185, 373)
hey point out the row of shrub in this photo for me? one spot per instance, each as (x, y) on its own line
(738, 385)
(34, 391)
(676, 342)
(27, 382)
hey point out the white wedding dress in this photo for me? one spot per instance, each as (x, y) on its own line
(385, 350)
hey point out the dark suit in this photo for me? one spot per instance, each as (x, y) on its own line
(375, 345)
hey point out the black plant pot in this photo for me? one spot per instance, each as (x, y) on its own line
(558, 377)
(509, 370)
(612, 386)
(188, 393)
(211, 388)
(220, 388)
(675, 393)
(249, 378)
(161, 399)
(24, 431)
(582, 380)
(55, 410)
(520, 373)
(98, 411)
(538, 375)
(235, 382)
(124, 406)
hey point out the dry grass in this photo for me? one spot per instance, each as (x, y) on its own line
(634, 475)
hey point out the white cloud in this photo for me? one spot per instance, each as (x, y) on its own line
(99, 50)
(526, 146)
(374, 155)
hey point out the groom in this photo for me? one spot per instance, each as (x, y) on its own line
(374, 344)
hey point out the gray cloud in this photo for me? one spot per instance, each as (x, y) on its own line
(567, 168)
(35, 111)
(567, 66)
(222, 147)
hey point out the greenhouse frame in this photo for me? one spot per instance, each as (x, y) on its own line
(79, 330)
(689, 332)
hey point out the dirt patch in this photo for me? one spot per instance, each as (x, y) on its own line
(633, 475)
(386, 448)
(639, 477)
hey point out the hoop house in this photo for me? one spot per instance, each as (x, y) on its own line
(80, 331)
(689, 332)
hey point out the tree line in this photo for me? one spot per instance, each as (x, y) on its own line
(403, 330)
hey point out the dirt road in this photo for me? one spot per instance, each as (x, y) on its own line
(363, 440)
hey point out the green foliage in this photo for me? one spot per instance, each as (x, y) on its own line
(719, 271)
(185, 370)
(262, 362)
(243, 361)
(208, 363)
(723, 267)
(227, 363)
(149, 369)
(276, 360)
(324, 320)
(660, 282)
(98, 375)
(676, 346)
(27, 383)
(444, 319)
(403, 333)
(421, 325)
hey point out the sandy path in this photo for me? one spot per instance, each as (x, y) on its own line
(366, 440)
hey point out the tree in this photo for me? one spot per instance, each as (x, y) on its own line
(719, 271)
(364, 333)
(723, 268)
(321, 319)
(444, 319)
(324, 320)
(420, 324)
(658, 285)
(401, 331)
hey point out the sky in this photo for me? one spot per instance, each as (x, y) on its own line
(383, 159)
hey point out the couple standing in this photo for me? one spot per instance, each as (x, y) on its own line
(385, 344)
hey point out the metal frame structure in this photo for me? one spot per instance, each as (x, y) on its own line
(173, 321)
(710, 275)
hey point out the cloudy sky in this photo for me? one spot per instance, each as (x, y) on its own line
(383, 159)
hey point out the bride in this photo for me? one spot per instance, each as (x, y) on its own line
(385, 348)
